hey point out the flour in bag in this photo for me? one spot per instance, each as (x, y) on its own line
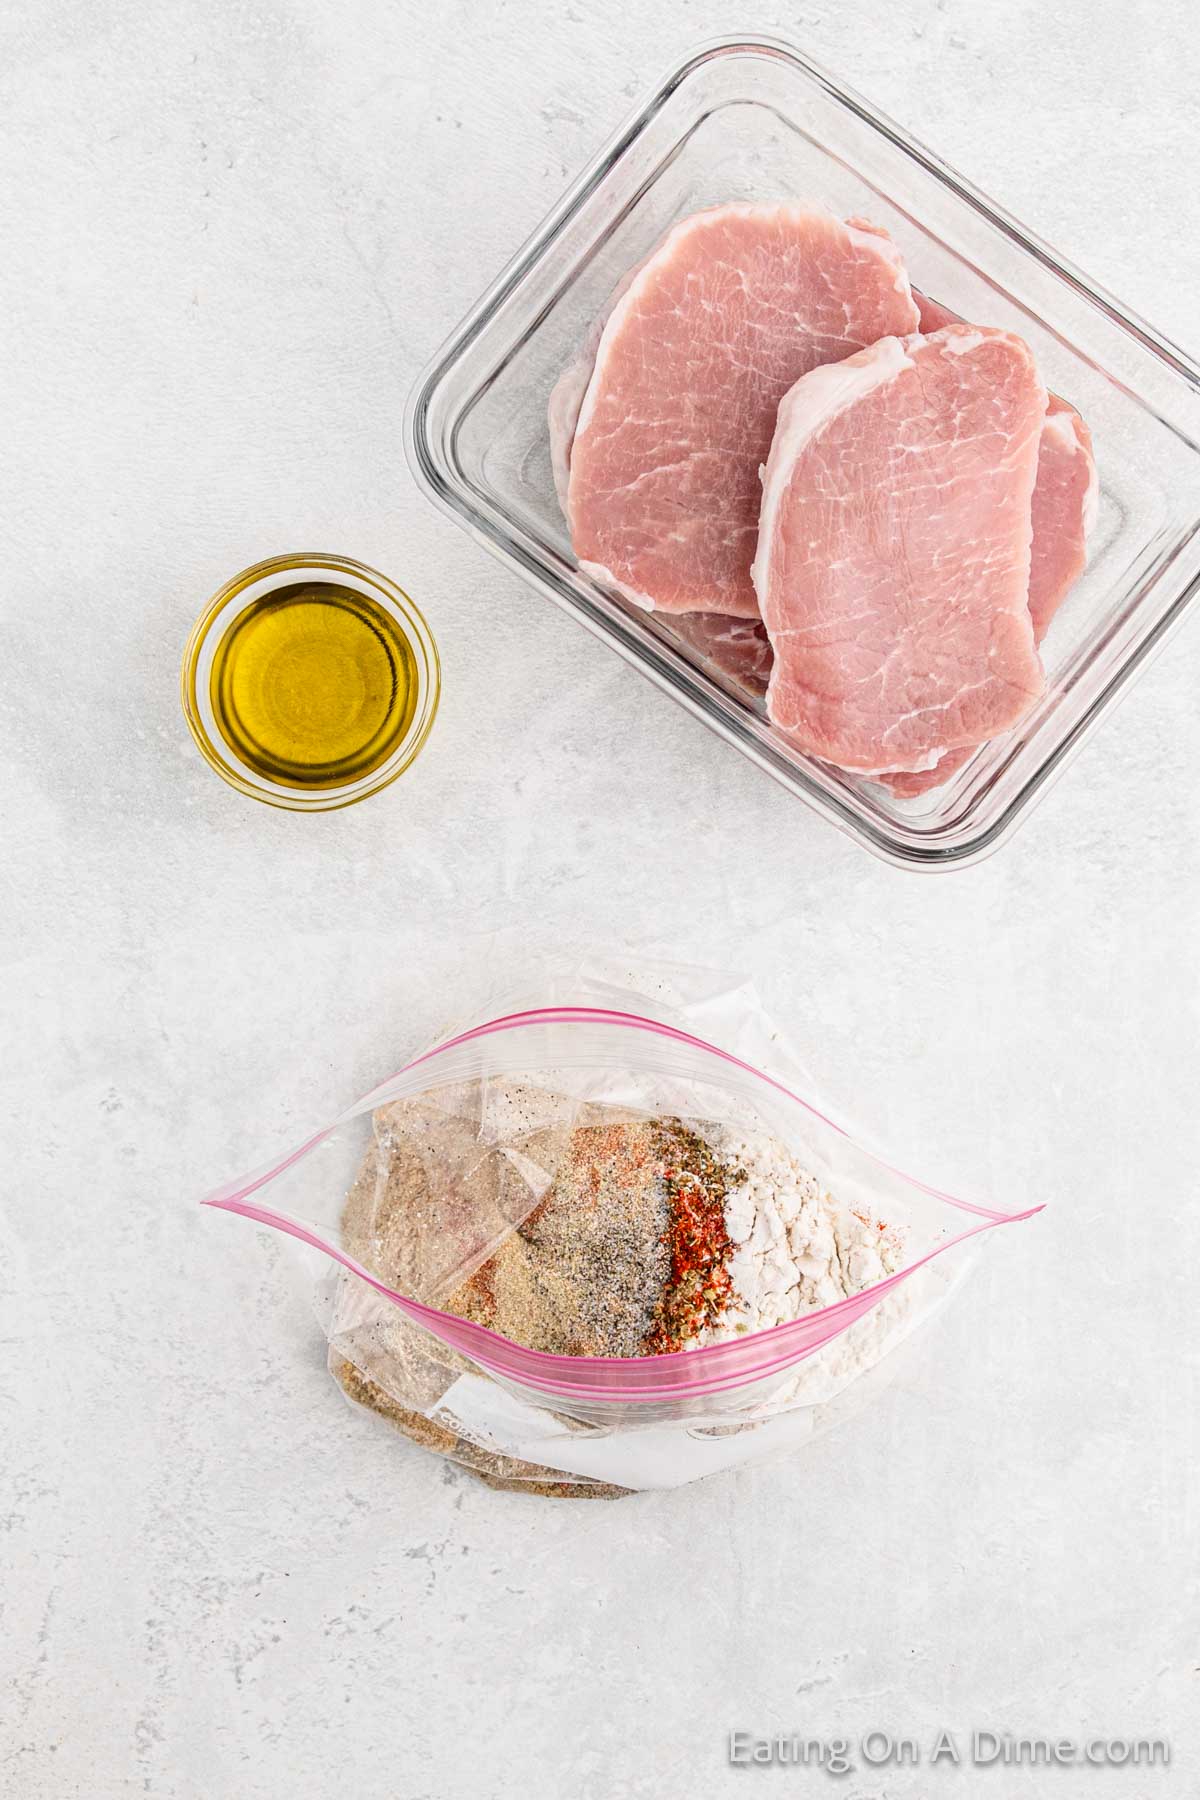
(639, 1235)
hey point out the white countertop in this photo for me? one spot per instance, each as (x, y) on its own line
(239, 231)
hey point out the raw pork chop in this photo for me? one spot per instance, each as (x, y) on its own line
(566, 396)
(738, 649)
(713, 329)
(934, 315)
(1063, 514)
(1063, 501)
(893, 553)
(1064, 497)
(1064, 511)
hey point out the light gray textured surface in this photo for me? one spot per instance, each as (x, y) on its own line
(234, 235)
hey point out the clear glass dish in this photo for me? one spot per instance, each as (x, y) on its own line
(754, 120)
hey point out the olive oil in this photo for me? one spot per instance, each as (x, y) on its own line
(313, 686)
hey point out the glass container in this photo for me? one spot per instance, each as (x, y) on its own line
(754, 120)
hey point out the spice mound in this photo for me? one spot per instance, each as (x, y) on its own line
(610, 1235)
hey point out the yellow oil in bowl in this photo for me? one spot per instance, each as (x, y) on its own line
(310, 682)
(313, 686)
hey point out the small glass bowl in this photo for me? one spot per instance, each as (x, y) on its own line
(752, 119)
(256, 583)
